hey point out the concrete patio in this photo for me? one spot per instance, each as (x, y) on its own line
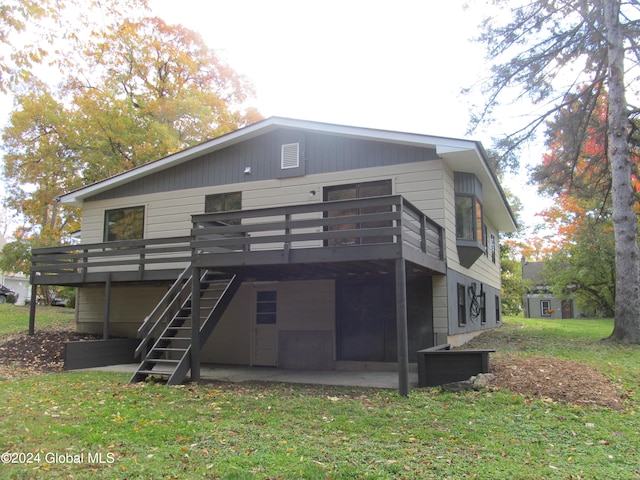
(238, 374)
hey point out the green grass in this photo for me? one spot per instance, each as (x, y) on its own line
(14, 318)
(260, 430)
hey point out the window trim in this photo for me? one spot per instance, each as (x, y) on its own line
(290, 156)
(477, 218)
(105, 225)
(462, 304)
(543, 311)
(493, 248)
(271, 316)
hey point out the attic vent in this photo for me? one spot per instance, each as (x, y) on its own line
(290, 156)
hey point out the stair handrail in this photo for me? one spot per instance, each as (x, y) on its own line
(221, 305)
(147, 329)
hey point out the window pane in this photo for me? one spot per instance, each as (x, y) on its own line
(462, 305)
(124, 224)
(354, 191)
(224, 202)
(479, 229)
(269, 296)
(464, 217)
(266, 307)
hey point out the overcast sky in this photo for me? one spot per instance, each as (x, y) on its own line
(397, 65)
(394, 65)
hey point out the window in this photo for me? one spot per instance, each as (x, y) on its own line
(290, 156)
(266, 307)
(462, 305)
(498, 318)
(464, 217)
(485, 237)
(493, 248)
(545, 308)
(124, 224)
(224, 202)
(469, 225)
(353, 191)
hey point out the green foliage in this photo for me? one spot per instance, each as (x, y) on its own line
(50, 23)
(267, 430)
(585, 268)
(16, 258)
(133, 92)
(513, 286)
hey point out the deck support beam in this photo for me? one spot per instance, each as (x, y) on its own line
(32, 305)
(401, 322)
(195, 325)
(107, 307)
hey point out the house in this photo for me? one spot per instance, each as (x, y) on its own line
(302, 245)
(540, 302)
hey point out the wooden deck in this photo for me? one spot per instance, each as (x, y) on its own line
(313, 240)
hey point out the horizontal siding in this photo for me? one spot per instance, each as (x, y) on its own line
(129, 307)
(169, 213)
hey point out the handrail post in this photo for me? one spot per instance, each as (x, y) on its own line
(423, 233)
(195, 325)
(400, 240)
(287, 232)
(32, 305)
(107, 307)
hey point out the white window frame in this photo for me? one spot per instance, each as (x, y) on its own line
(543, 309)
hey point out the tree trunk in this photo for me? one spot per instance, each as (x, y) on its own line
(627, 319)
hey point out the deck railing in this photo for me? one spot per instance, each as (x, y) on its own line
(387, 220)
(372, 223)
(75, 263)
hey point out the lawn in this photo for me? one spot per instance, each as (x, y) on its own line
(95, 425)
(14, 318)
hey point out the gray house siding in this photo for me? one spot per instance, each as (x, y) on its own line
(492, 304)
(319, 153)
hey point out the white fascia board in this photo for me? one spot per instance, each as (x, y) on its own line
(474, 161)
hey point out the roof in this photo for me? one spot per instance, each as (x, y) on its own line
(459, 154)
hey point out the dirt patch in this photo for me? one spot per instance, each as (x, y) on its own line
(555, 380)
(41, 352)
(543, 378)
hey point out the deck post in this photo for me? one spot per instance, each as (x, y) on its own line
(401, 322)
(195, 325)
(107, 307)
(32, 305)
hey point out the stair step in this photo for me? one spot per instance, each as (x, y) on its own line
(155, 372)
(168, 349)
(161, 360)
(188, 339)
(179, 328)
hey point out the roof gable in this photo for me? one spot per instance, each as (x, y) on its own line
(463, 155)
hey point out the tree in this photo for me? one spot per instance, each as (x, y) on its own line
(585, 268)
(543, 46)
(513, 286)
(48, 25)
(137, 93)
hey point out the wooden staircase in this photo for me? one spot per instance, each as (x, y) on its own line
(165, 346)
